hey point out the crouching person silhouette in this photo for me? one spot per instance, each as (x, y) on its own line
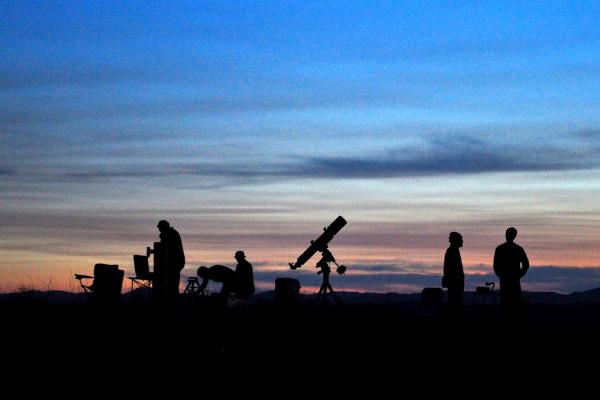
(239, 282)
(220, 274)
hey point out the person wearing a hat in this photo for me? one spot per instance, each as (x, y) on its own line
(175, 258)
(244, 276)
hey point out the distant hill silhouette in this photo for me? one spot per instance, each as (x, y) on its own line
(43, 297)
(588, 296)
(62, 297)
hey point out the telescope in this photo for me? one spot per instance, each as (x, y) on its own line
(320, 244)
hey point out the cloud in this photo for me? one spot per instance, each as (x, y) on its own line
(460, 154)
(209, 211)
(62, 221)
(564, 279)
(378, 268)
(55, 111)
(104, 174)
(11, 79)
(4, 171)
(375, 282)
(93, 74)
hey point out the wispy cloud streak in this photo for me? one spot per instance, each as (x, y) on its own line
(456, 155)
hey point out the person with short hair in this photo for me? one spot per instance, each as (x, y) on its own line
(510, 265)
(454, 277)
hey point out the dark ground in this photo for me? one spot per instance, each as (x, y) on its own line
(403, 342)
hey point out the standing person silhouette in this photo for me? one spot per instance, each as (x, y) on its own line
(174, 256)
(244, 276)
(510, 265)
(454, 277)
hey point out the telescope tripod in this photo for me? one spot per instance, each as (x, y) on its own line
(326, 271)
(193, 287)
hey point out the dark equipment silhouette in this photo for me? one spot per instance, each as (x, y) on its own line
(159, 277)
(193, 287)
(106, 285)
(431, 295)
(431, 301)
(320, 245)
(323, 264)
(485, 290)
(483, 293)
(287, 291)
(320, 242)
(143, 277)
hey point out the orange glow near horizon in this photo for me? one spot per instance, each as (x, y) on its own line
(39, 271)
(43, 248)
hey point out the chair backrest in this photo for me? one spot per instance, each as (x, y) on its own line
(108, 281)
(142, 269)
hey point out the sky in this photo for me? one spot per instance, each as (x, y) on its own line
(253, 125)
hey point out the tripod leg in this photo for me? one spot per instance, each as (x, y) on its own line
(335, 297)
(325, 294)
(321, 291)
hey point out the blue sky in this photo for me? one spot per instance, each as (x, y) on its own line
(253, 124)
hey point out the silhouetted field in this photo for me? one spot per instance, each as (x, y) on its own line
(405, 335)
(200, 347)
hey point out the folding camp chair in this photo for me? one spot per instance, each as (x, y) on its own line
(106, 285)
(143, 277)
